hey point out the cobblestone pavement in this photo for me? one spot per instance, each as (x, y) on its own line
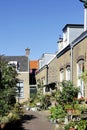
(32, 121)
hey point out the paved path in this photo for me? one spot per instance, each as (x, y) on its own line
(38, 121)
(32, 121)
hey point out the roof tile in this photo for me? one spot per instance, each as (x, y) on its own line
(34, 64)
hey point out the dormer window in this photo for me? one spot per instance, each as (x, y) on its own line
(15, 64)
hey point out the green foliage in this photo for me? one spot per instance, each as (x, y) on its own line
(45, 101)
(8, 83)
(70, 125)
(4, 119)
(82, 125)
(15, 113)
(57, 112)
(79, 125)
(84, 76)
(68, 93)
(68, 106)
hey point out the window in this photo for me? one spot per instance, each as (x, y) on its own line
(43, 82)
(15, 64)
(80, 70)
(61, 75)
(33, 90)
(68, 73)
(20, 89)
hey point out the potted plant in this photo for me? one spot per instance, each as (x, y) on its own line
(70, 126)
(57, 113)
(82, 125)
(69, 91)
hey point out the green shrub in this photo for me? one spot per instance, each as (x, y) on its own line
(57, 112)
(68, 93)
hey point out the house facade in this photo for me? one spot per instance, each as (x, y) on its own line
(79, 61)
(70, 60)
(22, 67)
(42, 72)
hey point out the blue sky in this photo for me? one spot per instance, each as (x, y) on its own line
(35, 24)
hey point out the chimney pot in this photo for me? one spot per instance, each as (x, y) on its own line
(27, 50)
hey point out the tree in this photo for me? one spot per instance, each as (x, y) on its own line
(8, 81)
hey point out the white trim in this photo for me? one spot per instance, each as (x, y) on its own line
(61, 75)
(85, 19)
(22, 72)
(21, 85)
(68, 73)
(80, 83)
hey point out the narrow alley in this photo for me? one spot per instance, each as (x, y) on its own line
(32, 121)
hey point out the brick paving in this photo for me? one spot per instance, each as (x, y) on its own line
(32, 121)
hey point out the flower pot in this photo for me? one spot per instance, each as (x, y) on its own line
(71, 128)
(3, 125)
(70, 111)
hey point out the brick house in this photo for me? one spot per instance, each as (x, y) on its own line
(42, 72)
(70, 60)
(79, 61)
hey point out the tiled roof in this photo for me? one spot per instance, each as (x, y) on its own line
(23, 61)
(34, 64)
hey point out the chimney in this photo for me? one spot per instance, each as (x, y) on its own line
(27, 50)
(85, 19)
(85, 14)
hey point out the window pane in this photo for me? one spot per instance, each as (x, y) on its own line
(68, 73)
(20, 89)
(61, 75)
(80, 70)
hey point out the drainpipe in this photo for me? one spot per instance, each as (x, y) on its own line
(46, 74)
(71, 64)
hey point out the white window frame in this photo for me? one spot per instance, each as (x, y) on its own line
(16, 64)
(61, 75)
(80, 83)
(20, 89)
(43, 82)
(68, 73)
